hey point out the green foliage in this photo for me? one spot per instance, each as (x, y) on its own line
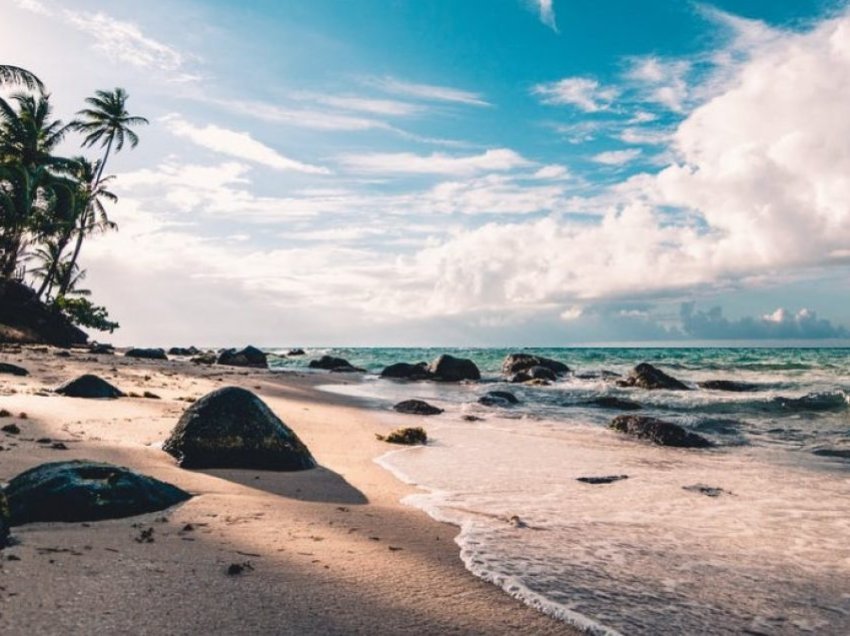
(84, 313)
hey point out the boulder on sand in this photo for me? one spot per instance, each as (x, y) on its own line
(417, 407)
(233, 428)
(658, 431)
(89, 386)
(646, 376)
(337, 365)
(447, 368)
(146, 354)
(184, 351)
(498, 398)
(406, 371)
(12, 369)
(77, 491)
(247, 357)
(516, 362)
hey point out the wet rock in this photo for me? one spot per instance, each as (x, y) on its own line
(539, 373)
(233, 428)
(417, 407)
(838, 453)
(146, 354)
(728, 385)
(101, 348)
(235, 569)
(614, 403)
(516, 362)
(498, 398)
(184, 351)
(89, 386)
(406, 371)
(5, 521)
(646, 376)
(12, 369)
(447, 368)
(708, 491)
(607, 479)
(11, 429)
(336, 365)
(76, 491)
(658, 431)
(247, 357)
(292, 353)
(409, 436)
(208, 357)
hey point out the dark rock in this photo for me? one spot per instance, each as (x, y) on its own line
(409, 436)
(101, 348)
(11, 429)
(839, 453)
(58, 446)
(516, 362)
(296, 352)
(12, 369)
(247, 357)
(63, 354)
(658, 431)
(89, 386)
(44, 440)
(646, 376)
(471, 418)
(498, 398)
(541, 373)
(447, 368)
(338, 365)
(235, 569)
(608, 479)
(708, 491)
(405, 371)
(417, 407)
(233, 428)
(146, 354)
(728, 385)
(208, 357)
(5, 522)
(184, 351)
(611, 402)
(150, 396)
(25, 319)
(86, 491)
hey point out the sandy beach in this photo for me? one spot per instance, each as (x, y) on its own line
(329, 550)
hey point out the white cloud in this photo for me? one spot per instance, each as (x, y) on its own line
(552, 172)
(661, 81)
(547, 14)
(300, 117)
(500, 159)
(387, 107)
(236, 144)
(617, 157)
(585, 93)
(428, 92)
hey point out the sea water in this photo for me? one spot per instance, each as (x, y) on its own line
(752, 536)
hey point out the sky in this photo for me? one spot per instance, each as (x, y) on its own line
(464, 172)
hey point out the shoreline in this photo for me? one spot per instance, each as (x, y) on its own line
(333, 549)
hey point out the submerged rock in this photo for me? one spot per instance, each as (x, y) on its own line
(296, 352)
(536, 373)
(607, 479)
(89, 386)
(247, 357)
(233, 428)
(76, 491)
(147, 354)
(406, 371)
(409, 436)
(646, 376)
(498, 398)
(728, 385)
(516, 362)
(658, 431)
(12, 369)
(337, 365)
(447, 368)
(417, 407)
(611, 402)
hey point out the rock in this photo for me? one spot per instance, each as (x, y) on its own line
(839, 453)
(516, 362)
(728, 385)
(147, 354)
(89, 386)
(233, 428)
(208, 357)
(447, 368)
(5, 522)
(405, 371)
(77, 490)
(498, 398)
(101, 348)
(471, 418)
(608, 479)
(183, 351)
(708, 491)
(292, 353)
(150, 396)
(337, 365)
(647, 376)
(63, 354)
(12, 369)
(611, 402)
(11, 429)
(409, 436)
(539, 373)
(417, 407)
(658, 431)
(247, 357)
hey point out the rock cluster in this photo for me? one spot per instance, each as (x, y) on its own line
(247, 357)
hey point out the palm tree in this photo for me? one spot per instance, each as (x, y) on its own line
(16, 75)
(27, 134)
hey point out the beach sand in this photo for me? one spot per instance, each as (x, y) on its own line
(326, 551)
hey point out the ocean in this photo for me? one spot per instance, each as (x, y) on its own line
(748, 537)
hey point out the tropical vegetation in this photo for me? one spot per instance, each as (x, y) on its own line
(50, 204)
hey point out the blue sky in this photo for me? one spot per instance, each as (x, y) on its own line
(451, 172)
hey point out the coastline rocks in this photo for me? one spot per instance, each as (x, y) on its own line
(416, 407)
(296, 352)
(406, 371)
(535, 374)
(498, 398)
(183, 351)
(101, 348)
(247, 357)
(12, 369)
(78, 490)
(233, 428)
(728, 385)
(646, 376)
(146, 354)
(658, 431)
(611, 402)
(336, 365)
(207, 357)
(408, 436)
(607, 479)
(89, 386)
(515, 363)
(836, 453)
(447, 368)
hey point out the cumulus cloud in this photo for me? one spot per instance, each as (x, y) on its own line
(585, 93)
(780, 324)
